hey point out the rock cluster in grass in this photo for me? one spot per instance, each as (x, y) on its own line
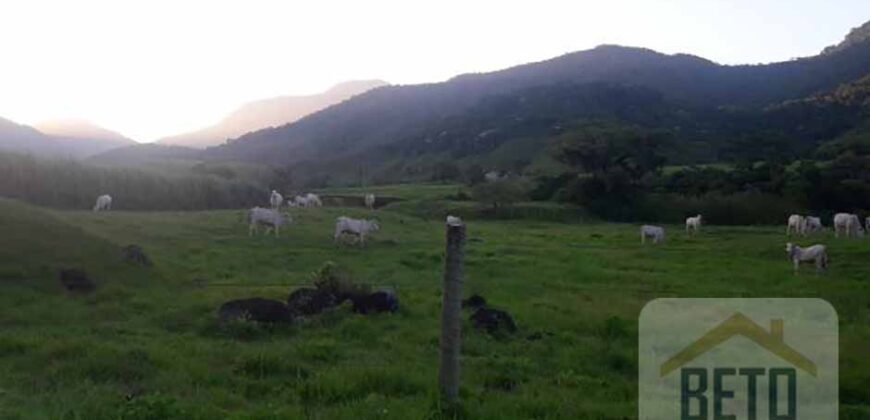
(310, 301)
(487, 319)
(136, 255)
(255, 309)
(331, 288)
(380, 301)
(474, 302)
(76, 280)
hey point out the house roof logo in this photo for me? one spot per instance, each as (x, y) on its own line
(741, 325)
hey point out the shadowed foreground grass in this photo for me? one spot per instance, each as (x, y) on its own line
(146, 345)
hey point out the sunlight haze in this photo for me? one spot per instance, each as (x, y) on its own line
(158, 68)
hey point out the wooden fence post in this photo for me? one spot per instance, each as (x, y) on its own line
(451, 308)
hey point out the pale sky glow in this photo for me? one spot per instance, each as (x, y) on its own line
(154, 68)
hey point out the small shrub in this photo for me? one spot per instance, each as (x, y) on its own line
(332, 279)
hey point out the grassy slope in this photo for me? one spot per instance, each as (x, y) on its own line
(78, 357)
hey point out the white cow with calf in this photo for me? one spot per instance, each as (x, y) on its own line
(796, 224)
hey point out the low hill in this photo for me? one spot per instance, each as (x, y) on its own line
(270, 113)
(22, 138)
(35, 245)
(81, 138)
(59, 139)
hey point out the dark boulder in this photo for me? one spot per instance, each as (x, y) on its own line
(307, 301)
(380, 301)
(493, 321)
(474, 301)
(255, 309)
(135, 255)
(76, 280)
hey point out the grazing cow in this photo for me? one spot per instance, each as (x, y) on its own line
(356, 227)
(795, 225)
(104, 202)
(849, 224)
(313, 200)
(370, 201)
(656, 233)
(271, 219)
(276, 200)
(815, 253)
(812, 224)
(693, 225)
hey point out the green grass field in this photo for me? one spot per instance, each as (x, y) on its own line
(146, 344)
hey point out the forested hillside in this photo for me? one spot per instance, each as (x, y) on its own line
(507, 119)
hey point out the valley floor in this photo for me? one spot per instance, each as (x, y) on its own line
(146, 343)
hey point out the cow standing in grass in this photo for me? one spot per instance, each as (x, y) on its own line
(849, 224)
(313, 200)
(693, 225)
(812, 224)
(370, 201)
(104, 202)
(270, 218)
(816, 253)
(356, 227)
(795, 225)
(656, 233)
(276, 200)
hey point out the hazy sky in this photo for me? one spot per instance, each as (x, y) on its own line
(152, 68)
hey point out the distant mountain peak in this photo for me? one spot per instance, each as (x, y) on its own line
(855, 36)
(271, 112)
(80, 129)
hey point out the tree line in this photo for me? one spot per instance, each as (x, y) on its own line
(69, 184)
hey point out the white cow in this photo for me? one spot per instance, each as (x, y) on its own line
(812, 224)
(276, 200)
(356, 227)
(313, 200)
(815, 253)
(867, 223)
(104, 202)
(308, 200)
(270, 218)
(849, 224)
(370, 201)
(693, 225)
(656, 233)
(795, 225)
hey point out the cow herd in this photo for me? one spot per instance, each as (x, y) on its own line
(846, 224)
(272, 218)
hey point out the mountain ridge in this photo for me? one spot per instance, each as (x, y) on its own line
(269, 112)
(682, 78)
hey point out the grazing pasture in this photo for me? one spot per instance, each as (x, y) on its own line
(146, 344)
